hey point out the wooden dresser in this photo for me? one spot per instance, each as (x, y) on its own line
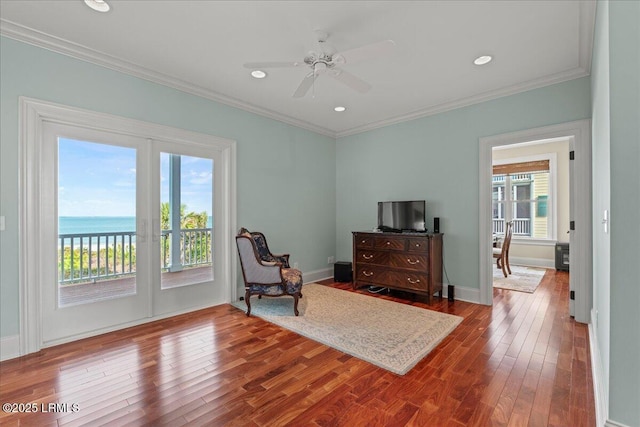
(407, 262)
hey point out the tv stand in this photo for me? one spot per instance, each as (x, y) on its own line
(402, 261)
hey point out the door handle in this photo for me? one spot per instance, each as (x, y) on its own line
(142, 231)
(156, 230)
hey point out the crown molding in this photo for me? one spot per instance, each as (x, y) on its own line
(55, 44)
(465, 102)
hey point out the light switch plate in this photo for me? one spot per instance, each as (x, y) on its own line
(2, 226)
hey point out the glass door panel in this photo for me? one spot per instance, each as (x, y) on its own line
(96, 274)
(96, 222)
(185, 191)
(186, 207)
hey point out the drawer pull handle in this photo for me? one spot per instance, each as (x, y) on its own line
(364, 241)
(388, 243)
(418, 245)
(368, 273)
(413, 281)
(413, 262)
(365, 256)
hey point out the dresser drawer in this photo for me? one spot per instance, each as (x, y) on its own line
(370, 274)
(391, 243)
(372, 257)
(417, 245)
(415, 281)
(363, 241)
(408, 260)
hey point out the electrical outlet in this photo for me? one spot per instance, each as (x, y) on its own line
(331, 260)
(295, 265)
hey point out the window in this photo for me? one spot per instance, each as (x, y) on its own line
(521, 194)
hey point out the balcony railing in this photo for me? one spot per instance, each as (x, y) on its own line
(89, 257)
(195, 247)
(521, 226)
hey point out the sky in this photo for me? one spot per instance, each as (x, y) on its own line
(100, 180)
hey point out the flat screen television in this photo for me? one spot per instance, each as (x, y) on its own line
(402, 216)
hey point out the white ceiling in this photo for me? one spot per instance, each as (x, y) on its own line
(200, 47)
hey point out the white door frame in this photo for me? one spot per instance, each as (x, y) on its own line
(33, 114)
(580, 254)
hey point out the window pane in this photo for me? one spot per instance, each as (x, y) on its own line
(186, 194)
(498, 192)
(96, 222)
(522, 192)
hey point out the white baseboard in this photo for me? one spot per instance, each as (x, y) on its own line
(462, 293)
(599, 392)
(610, 423)
(9, 347)
(532, 262)
(317, 275)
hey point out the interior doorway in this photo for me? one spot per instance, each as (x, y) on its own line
(578, 135)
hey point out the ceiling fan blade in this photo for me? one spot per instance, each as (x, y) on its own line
(355, 83)
(363, 53)
(274, 64)
(304, 87)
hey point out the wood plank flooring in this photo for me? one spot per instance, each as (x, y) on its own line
(523, 361)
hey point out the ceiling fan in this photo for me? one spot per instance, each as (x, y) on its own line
(326, 62)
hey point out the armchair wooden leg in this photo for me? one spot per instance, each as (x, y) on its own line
(506, 261)
(504, 269)
(247, 299)
(295, 303)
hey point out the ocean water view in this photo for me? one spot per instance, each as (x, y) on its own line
(95, 224)
(99, 224)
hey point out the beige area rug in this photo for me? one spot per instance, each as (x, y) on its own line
(390, 335)
(523, 279)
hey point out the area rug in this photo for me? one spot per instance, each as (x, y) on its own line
(388, 334)
(522, 279)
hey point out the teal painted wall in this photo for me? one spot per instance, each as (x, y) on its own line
(624, 74)
(285, 175)
(436, 159)
(616, 187)
(601, 178)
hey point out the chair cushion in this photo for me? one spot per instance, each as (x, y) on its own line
(497, 251)
(293, 279)
(266, 289)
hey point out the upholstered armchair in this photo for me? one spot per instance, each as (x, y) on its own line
(269, 278)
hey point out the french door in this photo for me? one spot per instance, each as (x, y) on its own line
(131, 228)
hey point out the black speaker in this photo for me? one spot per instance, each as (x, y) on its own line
(436, 225)
(342, 271)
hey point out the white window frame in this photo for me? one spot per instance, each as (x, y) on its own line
(552, 211)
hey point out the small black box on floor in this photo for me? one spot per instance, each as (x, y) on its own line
(562, 256)
(342, 271)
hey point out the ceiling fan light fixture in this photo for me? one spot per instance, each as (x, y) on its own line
(482, 60)
(258, 74)
(339, 108)
(98, 5)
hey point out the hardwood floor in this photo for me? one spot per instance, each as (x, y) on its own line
(523, 362)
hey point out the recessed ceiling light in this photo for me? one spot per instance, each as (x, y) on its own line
(258, 74)
(340, 109)
(481, 60)
(98, 5)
